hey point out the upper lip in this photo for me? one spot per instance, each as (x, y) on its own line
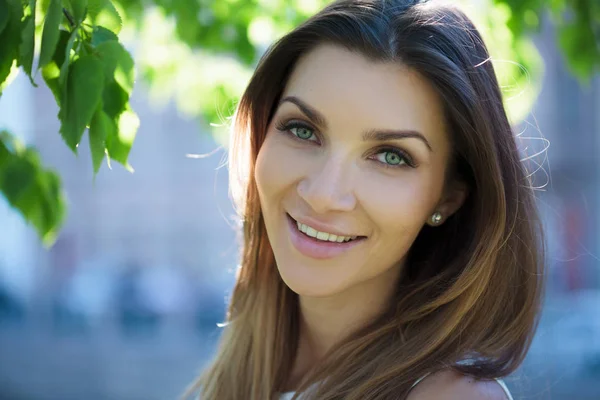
(322, 227)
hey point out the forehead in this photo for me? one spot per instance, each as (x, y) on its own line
(347, 87)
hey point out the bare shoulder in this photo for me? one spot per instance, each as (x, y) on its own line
(451, 385)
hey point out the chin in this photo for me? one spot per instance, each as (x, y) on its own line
(305, 281)
(304, 289)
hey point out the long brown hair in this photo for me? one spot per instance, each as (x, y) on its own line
(470, 296)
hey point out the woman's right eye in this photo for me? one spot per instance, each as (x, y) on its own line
(299, 131)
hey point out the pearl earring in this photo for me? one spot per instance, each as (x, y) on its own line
(436, 218)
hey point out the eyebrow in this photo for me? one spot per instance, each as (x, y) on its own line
(371, 135)
(307, 110)
(386, 135)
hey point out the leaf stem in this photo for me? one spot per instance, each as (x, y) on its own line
(69, 17)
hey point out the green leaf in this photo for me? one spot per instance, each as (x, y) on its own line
(52, 206)
(101, 127)
(32, 190)
(17, 177)
(28, 42)
(103, 13)
(60, 52)
(51, 32)
(4, 14)
(101, 35)
(119, 144)
(51, 71)
(118, 64)
(64, 74)
(83, 93)
(78, 8)
(64, 66)
(578, 43)
(119, 77)
(115, 99)
(10, 38)
(5, 147)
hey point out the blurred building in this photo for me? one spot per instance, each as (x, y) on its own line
(568, 115)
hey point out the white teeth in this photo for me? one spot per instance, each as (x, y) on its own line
(324, 236)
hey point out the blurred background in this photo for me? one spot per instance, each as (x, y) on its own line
(124, 305)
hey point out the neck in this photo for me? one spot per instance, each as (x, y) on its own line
(326, 321)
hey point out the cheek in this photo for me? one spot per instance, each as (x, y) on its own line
(401, 202)
(277, 168)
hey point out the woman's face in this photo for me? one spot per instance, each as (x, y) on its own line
(356, 151)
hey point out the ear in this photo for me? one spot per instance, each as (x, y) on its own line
(452, 200)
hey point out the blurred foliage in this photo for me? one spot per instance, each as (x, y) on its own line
(577, 25)
(29, 188)
(200, 53)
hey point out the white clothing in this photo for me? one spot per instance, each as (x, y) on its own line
(289, 395)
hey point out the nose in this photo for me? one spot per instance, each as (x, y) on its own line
(328, 187)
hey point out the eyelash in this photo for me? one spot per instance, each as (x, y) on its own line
(286, 128)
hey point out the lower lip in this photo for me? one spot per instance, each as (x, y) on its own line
(315, 248)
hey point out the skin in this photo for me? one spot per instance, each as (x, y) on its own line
(326, 171)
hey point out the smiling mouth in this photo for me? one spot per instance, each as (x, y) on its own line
(320, 236)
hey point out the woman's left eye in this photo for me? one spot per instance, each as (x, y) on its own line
(393, 158)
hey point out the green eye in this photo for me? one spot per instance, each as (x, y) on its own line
(393, 158)
(302, 133)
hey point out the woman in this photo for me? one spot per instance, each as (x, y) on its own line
(390, 233)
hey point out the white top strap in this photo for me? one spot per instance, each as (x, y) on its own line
(505, 388)
(500, 382)
(289, 395)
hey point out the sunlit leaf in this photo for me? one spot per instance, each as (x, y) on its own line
(101, 127)
(51, 33)
(14, 72)
(51, 71)
(119, 144)
(83, 94)
(78, 9)
(118, 76)
(103, 13)
(101, 35)
(118, 64)
(10, 38)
